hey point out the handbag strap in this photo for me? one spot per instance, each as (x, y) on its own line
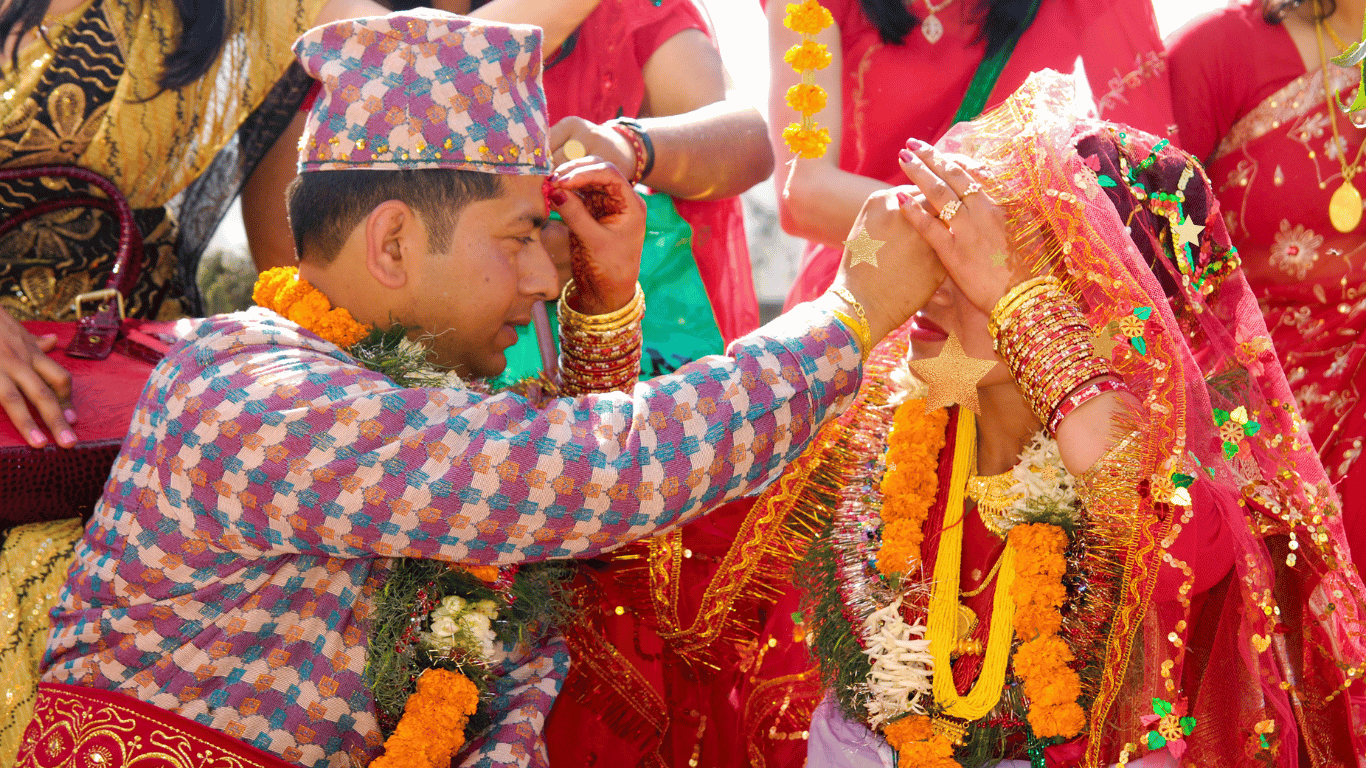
(989, 71)
(98, 331)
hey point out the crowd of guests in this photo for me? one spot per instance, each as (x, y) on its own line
(1160, 258)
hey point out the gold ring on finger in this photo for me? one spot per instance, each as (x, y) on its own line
(949, 210)
(973, 188)
(574, 149)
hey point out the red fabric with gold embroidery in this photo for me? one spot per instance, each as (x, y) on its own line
(1249, 108)
(75, 726)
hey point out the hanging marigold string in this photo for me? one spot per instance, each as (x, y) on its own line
(804, 137)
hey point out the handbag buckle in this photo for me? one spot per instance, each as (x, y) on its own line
(102, 295)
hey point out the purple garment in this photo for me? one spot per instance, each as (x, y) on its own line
(838, 742)
(228, 572)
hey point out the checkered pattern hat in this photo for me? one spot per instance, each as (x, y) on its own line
(425, 89)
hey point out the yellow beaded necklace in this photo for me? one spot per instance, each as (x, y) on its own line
(942, 629)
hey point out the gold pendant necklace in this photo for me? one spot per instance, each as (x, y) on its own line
(967, 618)
(995, 502)
(931, 27)
(1344, 207)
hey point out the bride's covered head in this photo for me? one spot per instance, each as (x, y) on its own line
(1131, 228)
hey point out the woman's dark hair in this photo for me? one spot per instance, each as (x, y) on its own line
(204, 30)
(1275, 11)
(1001, 20)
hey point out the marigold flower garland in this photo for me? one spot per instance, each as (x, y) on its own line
(282, 291)
(909, 488)
(804, 137)
(901, 666)
(433, 726)
(1042, 658)
(388, 351)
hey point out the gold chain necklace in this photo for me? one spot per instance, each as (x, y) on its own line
(1355, 118)
(1344, 207)
(930, 26)
(985, 582)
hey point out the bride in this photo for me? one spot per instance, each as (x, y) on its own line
(1084, 525)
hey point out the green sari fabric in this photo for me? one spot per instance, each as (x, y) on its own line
(679, 326)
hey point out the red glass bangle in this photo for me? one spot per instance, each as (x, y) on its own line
(1082, 395)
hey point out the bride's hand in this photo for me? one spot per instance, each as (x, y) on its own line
(962, 223)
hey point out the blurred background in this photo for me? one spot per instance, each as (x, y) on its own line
(743, 38)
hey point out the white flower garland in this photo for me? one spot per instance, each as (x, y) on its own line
(459, 626)
(902, 671)
(427, 371)
(1047, 491)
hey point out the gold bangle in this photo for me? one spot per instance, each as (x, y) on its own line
(609, 321)
(862, 332)
(1008, 304)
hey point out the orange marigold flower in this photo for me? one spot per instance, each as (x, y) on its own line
(1041, 656)
(808, 18)
(308, 308)
(283, 292)
(1066, 720)
(1053, 689)
(1044, 593)
(906, 730)
(1034, 564)
(806, 99)
(485, 573)
(808, 55)
(269, 284)
(1038, 537)
(900, 546)
(894, 485)
(806, 142)
(342, 329)
(432, 728)
(1032, 621)
(934, 751)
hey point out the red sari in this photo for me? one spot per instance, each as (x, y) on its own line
(1116, 40)
(1259, 119)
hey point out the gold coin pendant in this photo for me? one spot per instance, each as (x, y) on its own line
(1344, 209)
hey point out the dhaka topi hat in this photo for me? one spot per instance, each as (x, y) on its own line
(425, 89)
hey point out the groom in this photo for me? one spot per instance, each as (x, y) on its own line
(226, 577)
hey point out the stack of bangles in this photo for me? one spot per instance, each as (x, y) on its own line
(1045, 340)
(599, 353)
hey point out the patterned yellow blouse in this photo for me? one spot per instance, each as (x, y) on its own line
(86, 94)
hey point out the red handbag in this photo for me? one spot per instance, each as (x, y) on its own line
(109, 359)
